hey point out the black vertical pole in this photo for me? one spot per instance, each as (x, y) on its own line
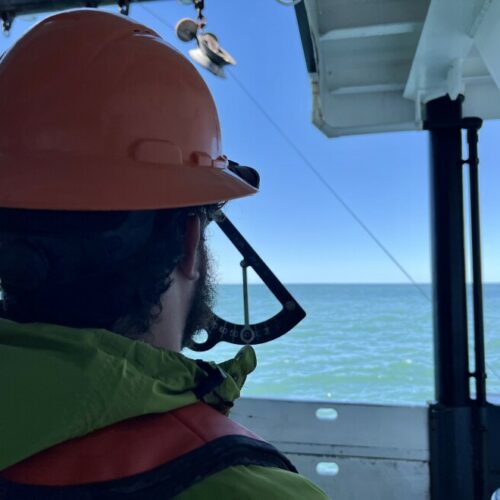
(480, 428)
(452, 460)
(448, 253)
(479, 353)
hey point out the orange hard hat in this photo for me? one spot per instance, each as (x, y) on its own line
(97, 112)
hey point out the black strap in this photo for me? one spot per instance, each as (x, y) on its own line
(215, 376)
(166, 481)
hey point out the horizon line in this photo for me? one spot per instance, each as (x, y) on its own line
(353, 283)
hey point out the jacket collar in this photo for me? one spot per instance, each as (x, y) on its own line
(58, 383)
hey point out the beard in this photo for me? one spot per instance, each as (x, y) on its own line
(200, 312)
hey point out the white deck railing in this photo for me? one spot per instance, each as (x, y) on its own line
(353, 451)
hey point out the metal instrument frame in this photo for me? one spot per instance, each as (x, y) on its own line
(257, 333)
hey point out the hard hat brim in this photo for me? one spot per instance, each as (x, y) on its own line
(147, 186)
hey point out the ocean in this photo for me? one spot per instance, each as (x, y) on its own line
(358, 343)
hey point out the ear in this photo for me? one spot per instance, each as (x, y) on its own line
(188, 266)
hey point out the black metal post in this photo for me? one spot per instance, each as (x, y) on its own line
(480, 412)
(473, 125)
(448, 253)
(451, 439)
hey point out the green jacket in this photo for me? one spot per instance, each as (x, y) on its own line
(58, 383)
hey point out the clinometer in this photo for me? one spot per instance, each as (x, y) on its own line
(290, 315)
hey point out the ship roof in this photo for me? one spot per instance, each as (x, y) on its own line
(374, 63)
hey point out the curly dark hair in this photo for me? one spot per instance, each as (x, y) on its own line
(90, 269)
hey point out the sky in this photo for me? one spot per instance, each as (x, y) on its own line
(295, 224)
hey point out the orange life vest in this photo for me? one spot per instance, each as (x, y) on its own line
(151, 456)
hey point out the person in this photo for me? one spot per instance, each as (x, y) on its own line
(111, 169)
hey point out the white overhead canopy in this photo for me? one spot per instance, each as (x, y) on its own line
(373, 63)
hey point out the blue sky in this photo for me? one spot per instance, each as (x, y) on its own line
(295, 224)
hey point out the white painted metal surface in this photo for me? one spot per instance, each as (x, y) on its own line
(367, 451)
(458, 53)
(377, 61)
(363, 50)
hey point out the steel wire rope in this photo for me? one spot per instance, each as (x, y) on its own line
(329, 187)
(156, 16)
(319, 176)
(313, 169)
(337, 196)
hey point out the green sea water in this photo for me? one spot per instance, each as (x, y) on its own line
(360, 343)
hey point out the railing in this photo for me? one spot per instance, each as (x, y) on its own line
(352, 451)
